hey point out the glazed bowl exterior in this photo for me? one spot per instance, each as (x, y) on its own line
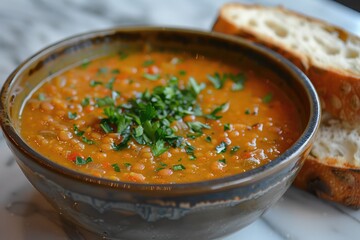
(124, 210)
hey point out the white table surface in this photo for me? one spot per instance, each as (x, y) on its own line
(26, 26)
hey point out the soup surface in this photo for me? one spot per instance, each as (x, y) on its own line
(161, 117)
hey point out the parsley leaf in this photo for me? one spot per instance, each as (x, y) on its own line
(72, 115)
(116, 167)
(234, 149)
(194, 87)
(226, 126)
(148, 63)
(221, 148)
(110, 84)
(238, 81)
(197, 126)
(82, 161)
(222, 160)
(81, 134)
(123, 144)
(178, 167)
(94, 83)
(217, 80)
(102, 70)
(87, 141)
(115, 71)
(85, 102)
(77, 131)
(159, 148)
(182, 72)
(213, 116)
(189, 149)
(105, 101)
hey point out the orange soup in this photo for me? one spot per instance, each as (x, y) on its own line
(161, 117)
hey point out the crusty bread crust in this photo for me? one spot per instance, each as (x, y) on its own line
(339, 90)
(339, 93)
(338, 184)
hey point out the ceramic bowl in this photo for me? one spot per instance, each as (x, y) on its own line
(124, 210)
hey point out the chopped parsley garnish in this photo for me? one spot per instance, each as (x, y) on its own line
(195, 87)
(159, 148)
(267, 98)
(178, 167)
(116, 167)
(77, 131)
(182, 72)
(238, 81)
(72, 115)
(110, 84)
(193, 135)
(189, 149)
(87, 141)
(81, 134)
(222, 160)
(106, 127)
(192, 157)
(127, 165)
(197, 126)
(221, 148)
(217, 80)
(148, 63)
(94, 83)
(41, 96)
(85, 102)
(218, 109)
(234, 149)
(146, 118)
(208, 138)
(162, 166)
(82, 161)
(102, 70)
(105, 101)
(152, 77)
(226, 126)
(115, 71)
(247, 111)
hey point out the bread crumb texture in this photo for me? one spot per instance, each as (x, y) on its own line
(337, 143)
(322, 45)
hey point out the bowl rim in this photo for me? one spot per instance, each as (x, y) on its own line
(240, 179)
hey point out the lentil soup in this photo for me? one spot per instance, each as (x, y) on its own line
(161, 117)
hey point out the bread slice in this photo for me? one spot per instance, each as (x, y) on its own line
(332, 171)
(330, 56)
(331, 59)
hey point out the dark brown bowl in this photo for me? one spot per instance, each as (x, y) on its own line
(199, 210)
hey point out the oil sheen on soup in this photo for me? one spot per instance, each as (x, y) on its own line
(161, 117)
